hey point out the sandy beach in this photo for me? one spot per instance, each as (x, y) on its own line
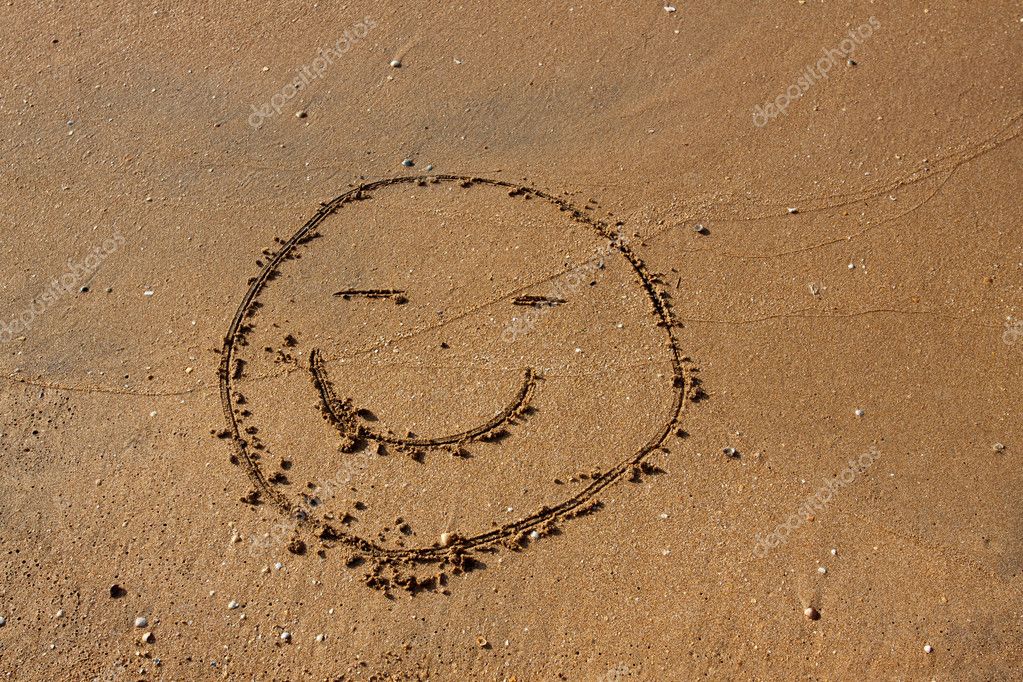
(572, 341)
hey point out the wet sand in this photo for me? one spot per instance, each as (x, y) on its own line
(587, 342)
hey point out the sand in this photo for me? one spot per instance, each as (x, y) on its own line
(576, 341)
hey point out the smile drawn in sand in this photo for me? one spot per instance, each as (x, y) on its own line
(453, 554)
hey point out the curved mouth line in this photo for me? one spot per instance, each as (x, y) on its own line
(354, 431)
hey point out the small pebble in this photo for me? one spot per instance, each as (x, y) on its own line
(834, 552)
(850, 62)
(148, 638)
(59, 614)
(233, 604)
(320, 638)
(301, 114)
(859, 412)
(278, 565)
(141, 622)
(285, 636)
(700, 229)
(822, 570)
(731, 452)
(408, 163)
(928, 648)
(3, 621)
(429, 167)
(997, 447)
(533, 535)
(396, 63)
(811, 613)
(445, 539)
(793, 210)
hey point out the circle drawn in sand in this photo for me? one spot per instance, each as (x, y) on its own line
(355, 426)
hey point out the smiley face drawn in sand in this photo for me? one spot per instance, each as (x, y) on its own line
(381, 389)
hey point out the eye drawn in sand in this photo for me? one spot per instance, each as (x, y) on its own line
(430, 268)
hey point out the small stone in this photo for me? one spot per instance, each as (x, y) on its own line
(285, 636)
(3, 621)
(429, 167)
(928, 648)
(446, 539)
(148, 292)
(533, 535)
(482, 642)
(793, 210)
(301, 113)
(834, 552)
(59, 614)
(700, 229)
(850, 62)
(408, 163)
(141, 622)
(278, 566)
(822, 570)
(320, 638)
(859, 412)
(395, 63)
(83, 290)
(997, 447)
(149, 638)
(731, 453)
(852, 266)
(811, 613)
(233, 604)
